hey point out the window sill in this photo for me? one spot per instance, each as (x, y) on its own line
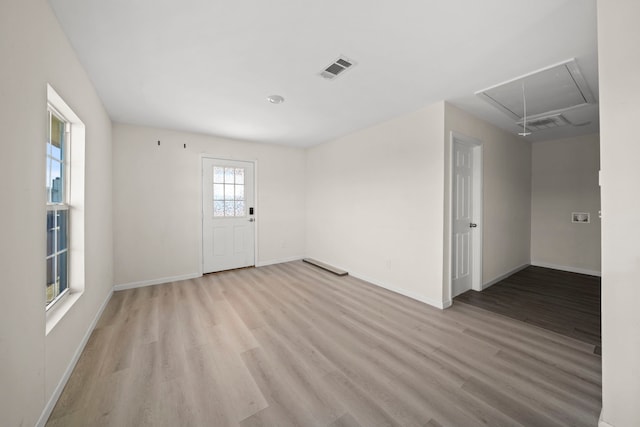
(57, 312)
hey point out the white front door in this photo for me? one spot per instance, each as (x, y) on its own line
(462, 218)
(228, 221)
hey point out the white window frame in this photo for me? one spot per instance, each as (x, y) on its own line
(64, 204)
(74, 198)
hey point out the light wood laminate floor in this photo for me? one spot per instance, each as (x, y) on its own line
(293, 345)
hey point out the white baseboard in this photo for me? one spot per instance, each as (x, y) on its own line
(566, 268)
(162, 280)
(278, 261)
(603, 423)
(159, 281)
(72, 364)
(413, 295)
(504, 276)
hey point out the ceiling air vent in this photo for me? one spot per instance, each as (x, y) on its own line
(339, 66)
(546, 122)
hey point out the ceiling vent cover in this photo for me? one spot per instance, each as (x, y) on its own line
(338, 67)
(546, 122)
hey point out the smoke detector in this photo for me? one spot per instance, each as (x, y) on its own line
(275, 99)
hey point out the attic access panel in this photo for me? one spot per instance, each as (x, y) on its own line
(551, 90)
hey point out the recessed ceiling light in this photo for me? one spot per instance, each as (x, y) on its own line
(275, 99)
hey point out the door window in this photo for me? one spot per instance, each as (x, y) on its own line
(228, 192)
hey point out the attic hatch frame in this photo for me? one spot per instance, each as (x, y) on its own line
(574, 72)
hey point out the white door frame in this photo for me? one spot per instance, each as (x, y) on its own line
(476, 283)
(201, 157)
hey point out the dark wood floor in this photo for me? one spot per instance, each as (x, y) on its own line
(563, 302)
(292, 345)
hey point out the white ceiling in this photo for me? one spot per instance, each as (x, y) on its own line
(208, 66)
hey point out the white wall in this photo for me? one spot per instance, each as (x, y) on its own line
(35, 52)
(506, 194)
(377, 206)
(619, 68)
(375, 203)
(565, 180)
(157, 201)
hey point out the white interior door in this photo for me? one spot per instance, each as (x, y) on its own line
(228, 223)
(462, 218)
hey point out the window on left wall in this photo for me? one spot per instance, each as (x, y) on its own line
(58, 215)
(65, 207)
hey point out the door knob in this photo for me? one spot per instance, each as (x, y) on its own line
(473, 225)
(251, 219)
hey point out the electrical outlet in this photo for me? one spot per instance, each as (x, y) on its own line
(580, 217)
